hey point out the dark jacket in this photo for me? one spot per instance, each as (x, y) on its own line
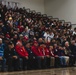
(31, 54)
(68, 51)
(9, 53)
(56, 51)
(73, 49)
(61, 53)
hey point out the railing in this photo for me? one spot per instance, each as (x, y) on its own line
(55, 19)
(73, 26)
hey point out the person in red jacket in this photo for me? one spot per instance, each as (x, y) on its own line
(45, 52)
(22, 53)
(34, 48)
(38, 55)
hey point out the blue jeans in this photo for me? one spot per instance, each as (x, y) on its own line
(62, 60)
(3, 64)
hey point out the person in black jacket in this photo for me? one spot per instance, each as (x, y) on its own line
(11, 58)
(31, 61)
(56, 54)
(68, 52)
(73, 51)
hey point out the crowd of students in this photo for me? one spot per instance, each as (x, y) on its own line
(31, 41)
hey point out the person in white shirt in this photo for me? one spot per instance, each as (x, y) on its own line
(48, 36)
(8, 6)
(15, 7)
(74, 32)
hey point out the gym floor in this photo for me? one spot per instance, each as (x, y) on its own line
(56, 71)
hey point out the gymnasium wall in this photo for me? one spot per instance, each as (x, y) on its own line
(63, 9)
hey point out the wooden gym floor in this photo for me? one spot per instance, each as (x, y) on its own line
(56, 71)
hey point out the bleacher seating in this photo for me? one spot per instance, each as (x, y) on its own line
(26, 30)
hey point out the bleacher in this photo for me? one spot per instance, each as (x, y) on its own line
(11, 18)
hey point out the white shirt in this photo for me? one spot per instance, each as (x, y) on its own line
(48, 37)
(74, 33)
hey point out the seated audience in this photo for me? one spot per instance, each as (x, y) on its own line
(40, 42)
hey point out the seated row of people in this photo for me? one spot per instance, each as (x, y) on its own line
(36, 56)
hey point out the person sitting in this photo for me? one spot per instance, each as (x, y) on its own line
(45, 53)
(52, 58)
(31, 60)
(61, 55)
(56, 51)
(73, 50)
(68, 53)
(11, 57)
(47, 56)
(23, 54)
(38, 54)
